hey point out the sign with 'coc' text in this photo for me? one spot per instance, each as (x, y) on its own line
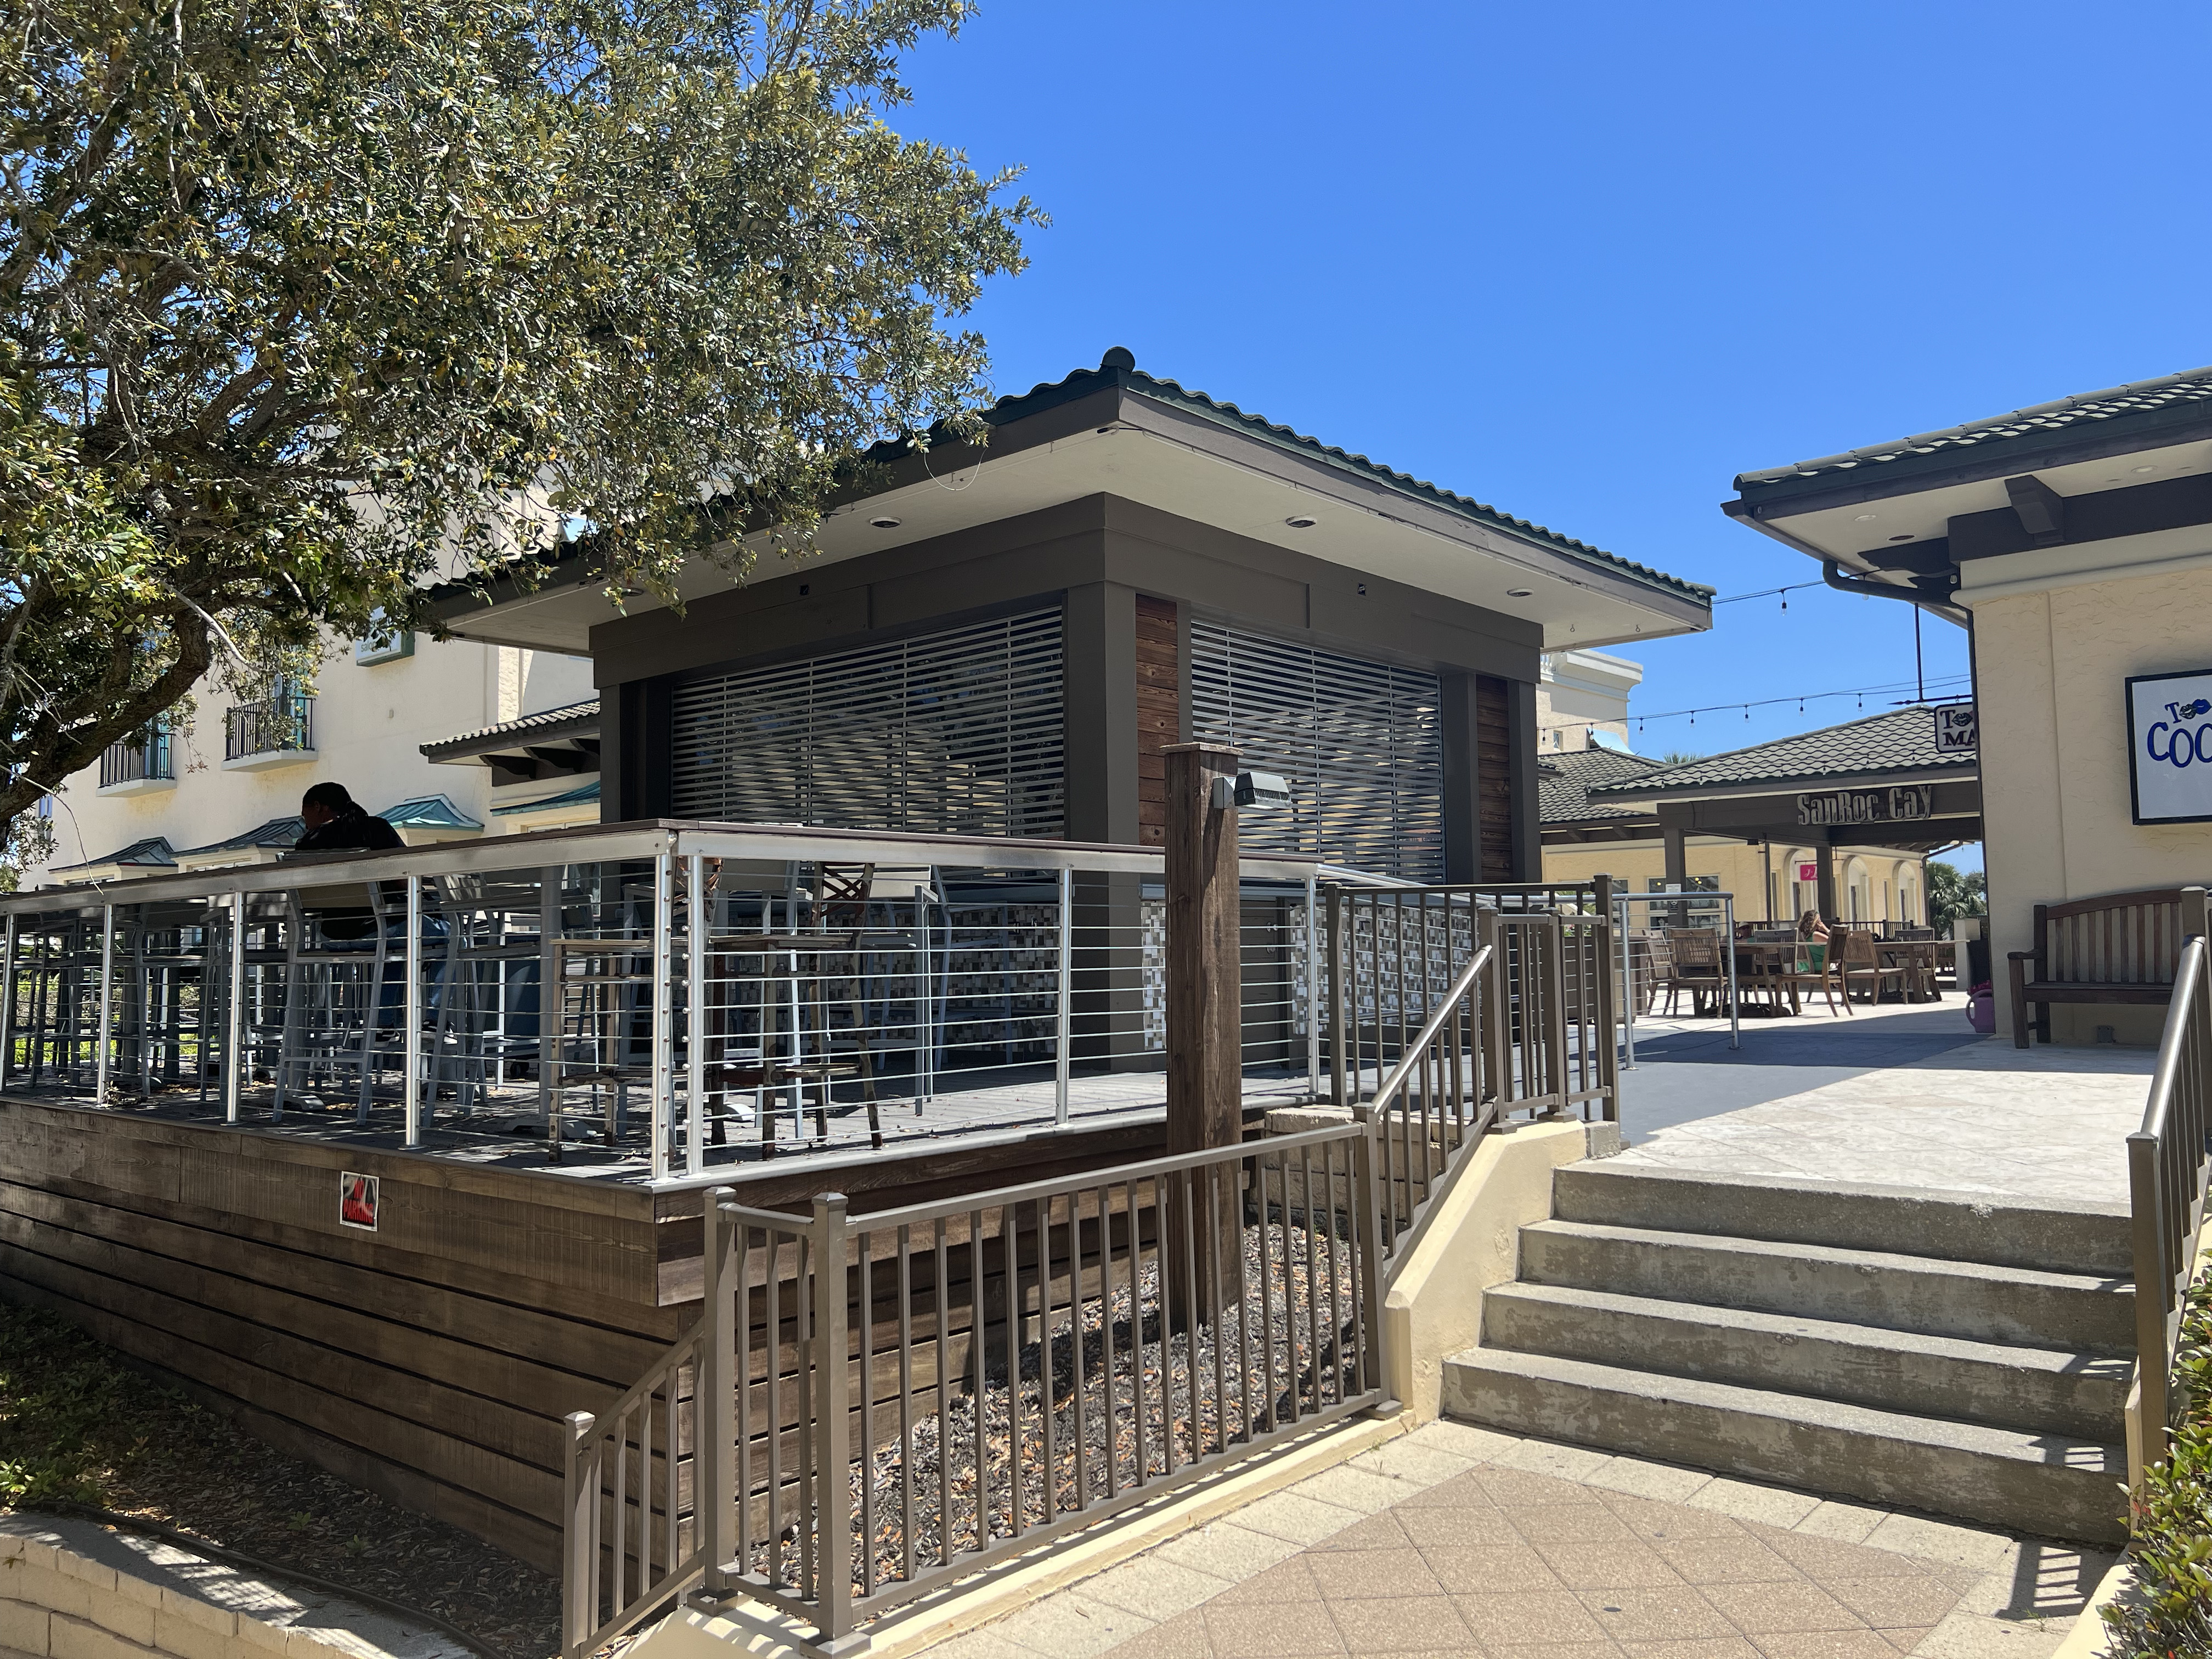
(2170, 747)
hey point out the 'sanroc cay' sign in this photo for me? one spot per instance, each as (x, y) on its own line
(1913, 800)
(2170, 747)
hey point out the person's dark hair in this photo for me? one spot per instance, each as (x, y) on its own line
(331, 795)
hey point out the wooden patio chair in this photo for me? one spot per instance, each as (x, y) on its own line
(1860, 961)
(1815, 966)
(1697, 968)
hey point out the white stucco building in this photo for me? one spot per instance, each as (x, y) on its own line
(222, 784)
(1581, 701)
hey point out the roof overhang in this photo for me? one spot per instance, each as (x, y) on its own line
(1180, 455)
(1946, 519)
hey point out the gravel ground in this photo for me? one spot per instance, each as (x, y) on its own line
(1126, 1346)
(78, 1423)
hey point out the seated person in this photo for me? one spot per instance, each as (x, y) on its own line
(1810, 926)
(336, 824)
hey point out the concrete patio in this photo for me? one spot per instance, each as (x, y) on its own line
(1902, 1094)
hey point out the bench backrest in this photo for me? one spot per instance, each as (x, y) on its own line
(2120, 939)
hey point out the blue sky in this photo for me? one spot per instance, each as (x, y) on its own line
(1586, 264)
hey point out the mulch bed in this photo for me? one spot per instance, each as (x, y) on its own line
(79, 1424)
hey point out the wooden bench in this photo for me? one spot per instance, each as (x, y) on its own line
(2121, 948)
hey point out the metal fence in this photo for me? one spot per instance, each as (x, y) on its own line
(893, 1401)
(1546, 1033)
(2169, 1165)
(670, 997)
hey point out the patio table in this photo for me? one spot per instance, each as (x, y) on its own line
(1919, 957)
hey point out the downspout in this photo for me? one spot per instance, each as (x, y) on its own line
(1832, 573)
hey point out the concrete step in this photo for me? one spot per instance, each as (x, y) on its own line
(2076, 1312)
(2049, 1486)
(2003, 1385)
(2047, 1236)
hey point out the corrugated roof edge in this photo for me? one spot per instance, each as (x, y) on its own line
(2191, 386)
(1082, 381)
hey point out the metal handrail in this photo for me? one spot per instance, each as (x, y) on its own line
(2169, 1162)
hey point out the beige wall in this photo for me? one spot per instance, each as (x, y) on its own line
(2048, 668)
(1893, 885)
(369, 725)
(1579, 690)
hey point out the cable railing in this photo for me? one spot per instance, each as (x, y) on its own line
(2169, 1163)
(662, 999)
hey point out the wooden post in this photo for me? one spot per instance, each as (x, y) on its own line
(1205, 990)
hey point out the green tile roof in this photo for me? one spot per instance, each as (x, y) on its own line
(1119, 367)
(576, 797)
(568, 718)
(2137, 400)
(1563, 792)
(1901, 740)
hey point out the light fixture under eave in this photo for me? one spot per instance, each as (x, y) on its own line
(1301, 521)
(1520, 592)
(884, 524)
(1901, 538)
(1864, 517)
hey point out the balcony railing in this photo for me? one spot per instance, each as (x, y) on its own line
(145, 758)
(283, 724)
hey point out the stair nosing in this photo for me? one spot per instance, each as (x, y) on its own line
(1838, 1254)
(1873, 1419)
(1965, 1349)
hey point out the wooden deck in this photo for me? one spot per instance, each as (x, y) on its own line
(433, 1359)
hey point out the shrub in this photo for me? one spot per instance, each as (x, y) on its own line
(2172, 1519)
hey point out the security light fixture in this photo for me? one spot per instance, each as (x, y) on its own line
(1520, 592)
(1301, 521)
(884, 524)
(1251, 789)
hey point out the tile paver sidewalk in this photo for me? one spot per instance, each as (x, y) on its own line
(1455, 1540)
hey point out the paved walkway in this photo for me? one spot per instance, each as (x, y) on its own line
(1895, 1096)
(1456, 1540)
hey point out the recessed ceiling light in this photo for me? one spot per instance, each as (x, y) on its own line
(1864, 517)
(2146, 468)
(1519, 592)
(1301, 521)
(1900, 538)
(884, 524)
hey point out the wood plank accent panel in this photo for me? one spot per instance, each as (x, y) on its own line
(1160, 714)
(1494, 760)
(431, 1361)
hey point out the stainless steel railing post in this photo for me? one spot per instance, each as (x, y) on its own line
(1065, 1024)
(410, 1093)
(107, 1001)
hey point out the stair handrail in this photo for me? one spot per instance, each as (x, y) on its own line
(2168, 1166)
(1406, 1155)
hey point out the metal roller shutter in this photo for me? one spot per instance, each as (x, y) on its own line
(1361, 742)
(955, 732)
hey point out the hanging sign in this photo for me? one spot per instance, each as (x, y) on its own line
(2170, 747)
(1958, 730)
(357, 1201)
(1809, 872)
(1912, 800)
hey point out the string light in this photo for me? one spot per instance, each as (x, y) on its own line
(1768, 593)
